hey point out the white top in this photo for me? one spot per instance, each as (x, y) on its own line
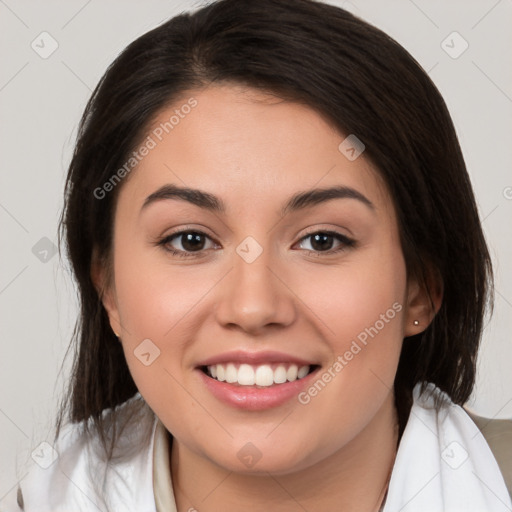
(443, 464)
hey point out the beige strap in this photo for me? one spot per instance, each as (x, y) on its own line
(498, 434)
(162, 483)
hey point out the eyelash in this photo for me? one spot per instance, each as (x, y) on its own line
(346, 243)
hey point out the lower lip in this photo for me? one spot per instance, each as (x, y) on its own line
(253, 398)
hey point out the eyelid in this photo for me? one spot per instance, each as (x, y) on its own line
(328, 228)
(324, 229)
(182, 229)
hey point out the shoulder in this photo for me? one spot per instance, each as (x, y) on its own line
(77, 473)
(498, 434)
(442, 435)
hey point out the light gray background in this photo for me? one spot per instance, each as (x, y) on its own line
(41, 101)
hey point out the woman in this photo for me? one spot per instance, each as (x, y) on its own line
(266, 213)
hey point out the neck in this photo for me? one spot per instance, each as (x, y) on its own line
(354, 478)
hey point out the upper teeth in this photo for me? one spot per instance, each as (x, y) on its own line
(260, 375)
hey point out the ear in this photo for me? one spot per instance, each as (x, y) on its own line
(423, 302)
(104, 284)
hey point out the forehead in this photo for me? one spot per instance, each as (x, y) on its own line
(247, 145)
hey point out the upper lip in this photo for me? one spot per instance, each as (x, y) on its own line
(240, 356)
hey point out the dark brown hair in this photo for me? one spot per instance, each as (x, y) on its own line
(361, 80)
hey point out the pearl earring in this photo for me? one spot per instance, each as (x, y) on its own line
(416, 322)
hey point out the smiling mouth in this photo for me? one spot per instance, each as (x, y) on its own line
(262, 375)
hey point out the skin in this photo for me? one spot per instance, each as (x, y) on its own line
(335, 452)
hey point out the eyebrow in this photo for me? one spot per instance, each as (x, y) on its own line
(298, 201)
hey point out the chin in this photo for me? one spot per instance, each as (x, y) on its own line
(261, 458)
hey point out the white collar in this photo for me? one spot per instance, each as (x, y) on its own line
(443, 462)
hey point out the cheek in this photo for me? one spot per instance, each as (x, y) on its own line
(365, 291)
(154, 297)
(155, 310)
(161, 309)
(361, 307)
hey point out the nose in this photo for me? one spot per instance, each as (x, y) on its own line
(254, 296)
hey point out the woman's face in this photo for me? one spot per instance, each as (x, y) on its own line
(262, 288)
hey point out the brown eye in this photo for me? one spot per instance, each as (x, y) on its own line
(184, 243)
(323, 241)
(191, 241)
